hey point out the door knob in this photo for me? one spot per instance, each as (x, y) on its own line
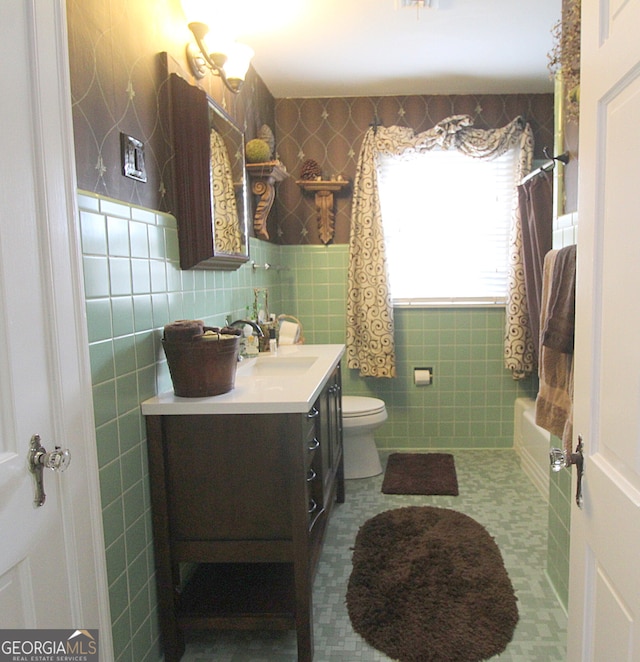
(57, 460)
(560, 459)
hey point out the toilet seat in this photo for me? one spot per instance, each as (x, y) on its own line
(355, 406)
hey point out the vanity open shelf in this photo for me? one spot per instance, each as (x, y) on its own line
(239, 595)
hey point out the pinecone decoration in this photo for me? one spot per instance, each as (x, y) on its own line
(310, 170)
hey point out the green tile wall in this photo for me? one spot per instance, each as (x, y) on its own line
(470, 403)
(558, 547)
(133, 287)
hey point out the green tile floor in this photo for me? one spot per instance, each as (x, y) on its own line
(496, 493)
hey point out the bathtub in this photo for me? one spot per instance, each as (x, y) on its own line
(532, 443)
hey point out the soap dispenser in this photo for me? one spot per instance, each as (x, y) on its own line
(273, 343)
(251, 341)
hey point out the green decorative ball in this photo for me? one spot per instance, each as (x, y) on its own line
(257, 151)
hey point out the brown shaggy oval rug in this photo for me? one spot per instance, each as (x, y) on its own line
(429, 585)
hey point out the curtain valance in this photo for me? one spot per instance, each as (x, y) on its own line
(370, 326)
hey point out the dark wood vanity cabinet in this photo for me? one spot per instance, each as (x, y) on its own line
(330, 407)
(240, 507)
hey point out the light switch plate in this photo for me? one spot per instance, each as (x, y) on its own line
(133, 158)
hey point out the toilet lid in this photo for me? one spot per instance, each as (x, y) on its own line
(355, 405)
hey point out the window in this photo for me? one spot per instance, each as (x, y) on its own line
(446, 219)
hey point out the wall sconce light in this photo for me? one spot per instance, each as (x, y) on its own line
(229, 61)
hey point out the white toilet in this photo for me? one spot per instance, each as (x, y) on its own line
(361, 416)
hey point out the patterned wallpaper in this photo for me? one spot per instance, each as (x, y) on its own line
(330, 131)
(118, 84)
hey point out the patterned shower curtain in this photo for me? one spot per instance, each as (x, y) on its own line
(370, 342)
(228, 237)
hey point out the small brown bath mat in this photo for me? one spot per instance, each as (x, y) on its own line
(429, 585)
(420, 473)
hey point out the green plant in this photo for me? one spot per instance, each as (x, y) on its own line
(257, 151)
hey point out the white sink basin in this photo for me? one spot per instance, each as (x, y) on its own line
(268, 365)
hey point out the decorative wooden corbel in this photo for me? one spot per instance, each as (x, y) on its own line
(264, 177)
(325, 214)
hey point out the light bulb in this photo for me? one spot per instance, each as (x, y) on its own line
(238, 60)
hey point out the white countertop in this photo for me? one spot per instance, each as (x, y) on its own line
(287, 382)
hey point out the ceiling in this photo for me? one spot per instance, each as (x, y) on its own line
(344, 48)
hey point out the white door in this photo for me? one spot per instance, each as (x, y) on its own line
(604, 592)
(52, 570)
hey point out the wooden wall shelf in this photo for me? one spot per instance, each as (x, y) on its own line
(325, 214)
(264, 177)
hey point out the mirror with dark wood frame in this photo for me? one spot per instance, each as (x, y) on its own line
(211, 194)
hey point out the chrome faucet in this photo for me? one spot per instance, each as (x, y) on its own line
(255, 326)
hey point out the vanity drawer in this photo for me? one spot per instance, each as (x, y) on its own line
(311, 428)
(312, 448)
(314, 495)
